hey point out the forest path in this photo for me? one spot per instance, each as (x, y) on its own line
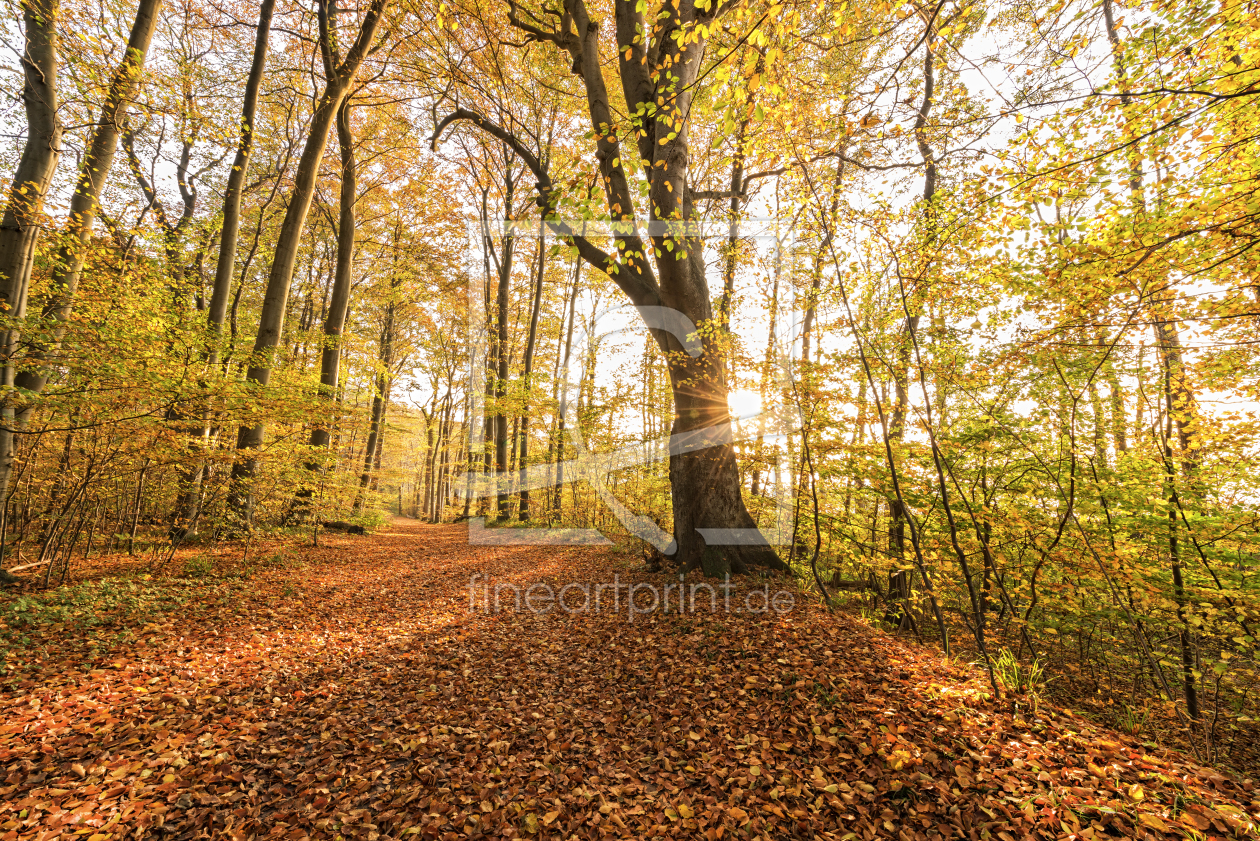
(354, 693)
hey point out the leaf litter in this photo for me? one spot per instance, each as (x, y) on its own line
(363, 694)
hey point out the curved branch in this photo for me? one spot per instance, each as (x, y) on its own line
(640, 289)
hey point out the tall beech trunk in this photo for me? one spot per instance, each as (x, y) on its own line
(24, 202)
(23, 209)
(380, 396)
(535, 309)
(499, 347)
(557, 499)
(216, 312)
(422, 466)
(1179, 401)
(1185, 639)
(704, 476)
(897, 428)
(85, 203)
(339, 306)
(443, 459)
(339, 76)
(1184, 406)
(335, 319)
(17, 247)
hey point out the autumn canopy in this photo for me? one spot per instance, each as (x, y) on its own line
(941, 315)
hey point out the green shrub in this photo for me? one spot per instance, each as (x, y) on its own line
(371, 519)
(198, 566)
(90, 603)
(1015, 676)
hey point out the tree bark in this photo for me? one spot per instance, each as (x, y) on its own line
(85, 203)
(499, 346)
(216, 312)
(339, 77)
(23, 209)
(557, 499)
(24, 203)
(380, 396)
(339, 305)
(897, 524)
(535, 309)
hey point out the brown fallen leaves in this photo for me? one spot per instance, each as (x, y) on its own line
(359, 697)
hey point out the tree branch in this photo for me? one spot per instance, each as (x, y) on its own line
(639, 288)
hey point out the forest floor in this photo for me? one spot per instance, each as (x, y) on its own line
(357, 690)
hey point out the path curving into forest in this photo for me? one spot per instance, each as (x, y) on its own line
(351, 691)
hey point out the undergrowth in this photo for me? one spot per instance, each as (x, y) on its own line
(101, 613)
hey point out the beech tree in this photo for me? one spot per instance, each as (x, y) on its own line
(660, 57)
(44, 141)
(339, 73)
(24, 204)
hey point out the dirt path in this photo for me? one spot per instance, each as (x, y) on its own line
(354, 693)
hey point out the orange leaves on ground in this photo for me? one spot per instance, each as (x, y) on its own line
(359, 697)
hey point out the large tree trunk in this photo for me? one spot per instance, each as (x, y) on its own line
(659, 66)
(339, 305)
(25, 200)
(704, 477)
(275, 301)
(24, 206)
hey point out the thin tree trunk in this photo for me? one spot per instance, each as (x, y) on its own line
(535, 308)
(499, 351)
(135, 511)
(424, 474)
(1169, 356)
(767, 365)
(380, 396)
(217, 310)
(1179, 402)
(897, 525)
(335, 320)
(563, 409)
